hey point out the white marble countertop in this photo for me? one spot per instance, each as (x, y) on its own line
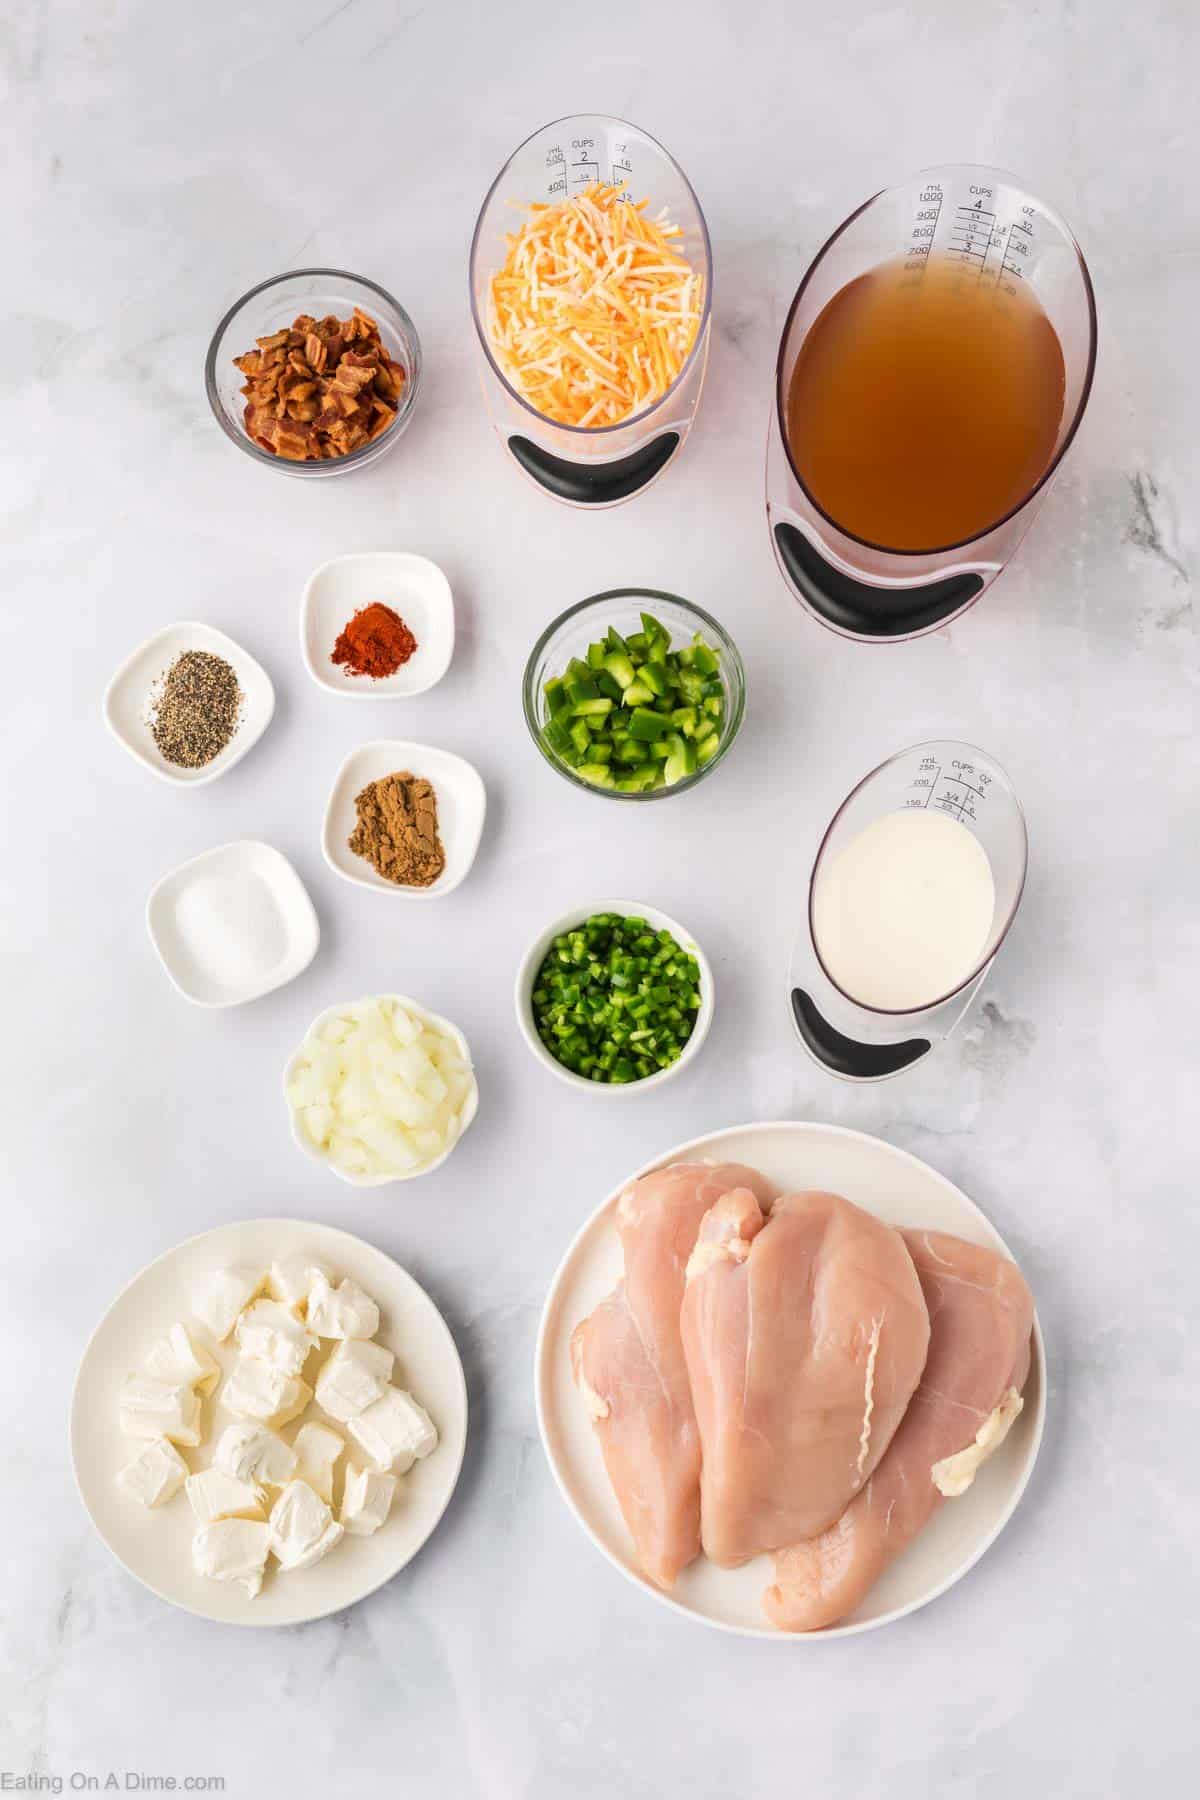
(158, 161)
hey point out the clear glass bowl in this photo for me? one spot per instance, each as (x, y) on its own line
(570, 634)
(275, 303)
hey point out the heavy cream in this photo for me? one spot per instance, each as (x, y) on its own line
(902, 914)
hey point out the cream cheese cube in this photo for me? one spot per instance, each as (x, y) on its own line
(215, 1495)
(155, 1475)
(177, 1359)
(341, 1312)
(355, 1375)
(258, 1390)
(233, 1550)
(160, 1409)
(393, 1432)
(229, 1291)
(268, 1330)
(249, 1452)
(954, 1474)
(366, 1501)
(302, 1528)
(317, 1449)
(291, 1278)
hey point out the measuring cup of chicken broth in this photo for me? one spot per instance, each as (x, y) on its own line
(918, 878)
(933, 370)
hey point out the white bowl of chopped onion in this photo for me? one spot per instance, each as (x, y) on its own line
(380, 1090)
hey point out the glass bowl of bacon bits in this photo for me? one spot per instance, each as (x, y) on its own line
(315, 372)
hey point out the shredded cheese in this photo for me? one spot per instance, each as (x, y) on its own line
(594, 314)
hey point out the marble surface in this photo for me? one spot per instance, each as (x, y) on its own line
(159, 160)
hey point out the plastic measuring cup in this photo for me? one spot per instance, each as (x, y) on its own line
(588, 466)
(868, 1043)
(1001, 234)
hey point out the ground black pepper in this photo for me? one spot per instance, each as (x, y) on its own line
(195, 708)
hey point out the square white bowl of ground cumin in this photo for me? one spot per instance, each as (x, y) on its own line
(461, 801)
(136, 694)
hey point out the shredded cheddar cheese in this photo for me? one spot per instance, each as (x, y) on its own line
(594, 313)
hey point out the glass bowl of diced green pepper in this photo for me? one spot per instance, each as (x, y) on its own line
(616, 997)
(634, 694)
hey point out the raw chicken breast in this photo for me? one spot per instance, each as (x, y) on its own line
(805, 1335)
(628, 1362)
(981, 1316)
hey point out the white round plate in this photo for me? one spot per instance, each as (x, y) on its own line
(885, 1181)
(155, 1544)
(127, 698)
(461, 806)
(412, 586)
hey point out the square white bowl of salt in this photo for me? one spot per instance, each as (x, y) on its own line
(232, 924)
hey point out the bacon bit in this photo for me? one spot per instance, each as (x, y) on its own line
(593, 315)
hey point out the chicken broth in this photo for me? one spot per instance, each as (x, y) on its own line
(925, 405)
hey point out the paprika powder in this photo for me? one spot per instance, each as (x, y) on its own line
(375, 642)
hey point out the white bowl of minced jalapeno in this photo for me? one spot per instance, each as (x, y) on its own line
(615, 996)
(634, 694)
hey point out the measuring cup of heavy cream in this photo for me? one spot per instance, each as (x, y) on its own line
(918, 879)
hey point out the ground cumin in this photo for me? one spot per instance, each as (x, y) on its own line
(397, 830)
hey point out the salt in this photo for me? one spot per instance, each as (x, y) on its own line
(230, 928)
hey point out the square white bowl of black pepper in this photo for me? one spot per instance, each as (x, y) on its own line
(189, 703)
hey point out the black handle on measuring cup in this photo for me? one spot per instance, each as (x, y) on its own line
(595, 484)
(857, 606)
(845, 1056)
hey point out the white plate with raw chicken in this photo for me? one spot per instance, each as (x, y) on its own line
(915, 1405)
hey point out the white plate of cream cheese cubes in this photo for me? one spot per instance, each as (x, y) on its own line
(268, 1422)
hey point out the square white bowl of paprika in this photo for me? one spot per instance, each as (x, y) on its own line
(411, 587)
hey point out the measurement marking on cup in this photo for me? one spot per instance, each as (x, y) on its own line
(1016, 247)
(931, 778)
(587, 159)
(962, 808)
(971, 234)
(925, 223)
(924, 780)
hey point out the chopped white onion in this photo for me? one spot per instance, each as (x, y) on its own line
(380, 1090)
